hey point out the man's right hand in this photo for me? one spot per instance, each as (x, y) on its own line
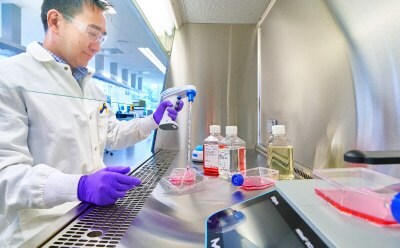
(105, 186)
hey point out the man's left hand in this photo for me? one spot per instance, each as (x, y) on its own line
(172, 110)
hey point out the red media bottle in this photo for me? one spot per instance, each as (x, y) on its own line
(210, 151)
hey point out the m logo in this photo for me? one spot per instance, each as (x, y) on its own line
(214, 243)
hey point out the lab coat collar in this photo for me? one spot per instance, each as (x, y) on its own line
(39, 52)
(42, 55)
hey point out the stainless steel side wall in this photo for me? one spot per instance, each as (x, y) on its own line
(221, 61)
(306, 81)
(330, 74)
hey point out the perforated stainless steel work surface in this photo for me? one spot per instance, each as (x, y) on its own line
(105, 226)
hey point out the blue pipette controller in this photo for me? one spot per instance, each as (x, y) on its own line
(175, 94)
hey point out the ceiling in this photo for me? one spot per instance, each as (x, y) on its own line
(221, 11)
(128, 31)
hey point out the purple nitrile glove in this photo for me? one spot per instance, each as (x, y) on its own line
(166, 105)
(173, 112)
(105, 186)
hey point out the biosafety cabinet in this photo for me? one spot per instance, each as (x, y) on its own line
(326, 69)
(216, 214)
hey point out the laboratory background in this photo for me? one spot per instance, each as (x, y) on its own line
(324, 73)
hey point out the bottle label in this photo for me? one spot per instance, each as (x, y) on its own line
(211, 156)
(224, 158)
(242, 158)
(232, 159)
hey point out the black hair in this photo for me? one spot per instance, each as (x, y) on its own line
(70, 7)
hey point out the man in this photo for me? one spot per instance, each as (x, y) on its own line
(55, 124)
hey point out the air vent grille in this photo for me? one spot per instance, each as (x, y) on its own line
(105, 226)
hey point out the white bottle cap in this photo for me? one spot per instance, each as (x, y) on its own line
(215, 129)
(278, 129)
(231, 130)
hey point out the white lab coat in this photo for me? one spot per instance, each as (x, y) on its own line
(51, 132)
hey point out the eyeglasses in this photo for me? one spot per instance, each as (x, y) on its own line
(94, 34)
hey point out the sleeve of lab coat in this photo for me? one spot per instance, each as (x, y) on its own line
(22, 184)
(122, 134)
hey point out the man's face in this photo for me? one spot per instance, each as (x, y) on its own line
(78, 36)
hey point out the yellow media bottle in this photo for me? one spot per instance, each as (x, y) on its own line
(280, 153)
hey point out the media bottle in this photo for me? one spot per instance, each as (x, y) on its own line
(280, 153)
(210, 151)
(232, 154)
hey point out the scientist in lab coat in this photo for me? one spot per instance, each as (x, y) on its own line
(55, 124)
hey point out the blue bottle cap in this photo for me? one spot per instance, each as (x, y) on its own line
(199, 148)
(237, 180)
(395, 207)
(191, 94)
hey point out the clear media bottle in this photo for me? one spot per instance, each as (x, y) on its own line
(232, 154)
(280, 153)
(210, 151)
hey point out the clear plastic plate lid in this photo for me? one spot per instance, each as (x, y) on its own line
(256, 178)
(361, 192)
(183, 180)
